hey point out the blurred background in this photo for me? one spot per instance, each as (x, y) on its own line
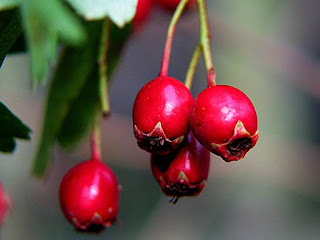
(270, 50)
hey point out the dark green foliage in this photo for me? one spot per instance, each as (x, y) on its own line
(73, 98)
(11, 127)
(45, 23)
(83, 109)
(10, 30)
(81, 113)
(73, 95)
(73, 70)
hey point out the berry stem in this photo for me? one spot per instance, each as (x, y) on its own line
(103, 77)
(95, 139)
(167, 49)
(192, 66)
(205, 42)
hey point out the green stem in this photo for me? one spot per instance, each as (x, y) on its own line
(192, 66)
(103, 77)
(95, 139)
(205, 42)
(171, 29)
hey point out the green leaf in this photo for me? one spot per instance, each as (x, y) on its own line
(10, 29)
(83, 109)
(7, 144)
(45, 22)
(81, 114)
(74, 68)
(119, 11)
(11, 127)
(73, 95)
(19, 45)
(8, 4)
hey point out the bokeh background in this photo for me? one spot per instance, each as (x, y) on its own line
(270, 50)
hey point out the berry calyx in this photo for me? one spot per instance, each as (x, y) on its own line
(183, 172)
(172, 4)
(89, 196)
(160, 114)
(224, 120)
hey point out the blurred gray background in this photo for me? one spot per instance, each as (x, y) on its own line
(270, 50)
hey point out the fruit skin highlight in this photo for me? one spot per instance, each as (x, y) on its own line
(183, 172)
(172, 4)
(223, 119)
(89, 196)
(160, 114)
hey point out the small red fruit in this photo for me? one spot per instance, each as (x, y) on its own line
(89, 196)
(5, 204)
(142, 12)
(172, 4)
(160, 114)
(183, 172)
(223, 119)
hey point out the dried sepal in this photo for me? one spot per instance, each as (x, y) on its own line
(238, 145)
(156, 141)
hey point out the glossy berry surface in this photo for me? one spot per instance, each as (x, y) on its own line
(142, 12)
(160, 114)
(172, 4)
(224, 120)
(183, 172)
(89, 196)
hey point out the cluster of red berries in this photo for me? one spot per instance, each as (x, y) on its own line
(180, 131)
(222, 120)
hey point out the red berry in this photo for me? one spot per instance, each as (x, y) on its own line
(5, 204)
(183, 172)
(89, 196)
(223, 119)
(172, 4)
(160, 114)
(142, 12)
